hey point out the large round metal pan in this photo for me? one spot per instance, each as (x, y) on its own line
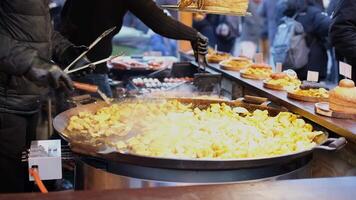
(102, 151)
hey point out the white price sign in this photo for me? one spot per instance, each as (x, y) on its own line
(313, 76)
(345, 69)
(279, 67)
(259, 58)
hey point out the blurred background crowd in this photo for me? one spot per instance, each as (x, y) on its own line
(240, 36)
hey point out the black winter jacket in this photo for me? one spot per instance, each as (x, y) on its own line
(343, 32)
(316, 25)
(84, 20)
(27, 40)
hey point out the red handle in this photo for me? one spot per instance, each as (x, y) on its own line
(85, 87)
(36, 176)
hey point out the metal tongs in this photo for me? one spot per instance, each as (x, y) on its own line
(88, 87)
(94, 63)
(103, 35)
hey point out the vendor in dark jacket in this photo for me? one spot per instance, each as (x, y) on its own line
(316, 25)
(28, 46)
(343, 33)
(83, 21)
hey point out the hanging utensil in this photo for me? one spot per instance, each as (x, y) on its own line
(94, 63)
(103, 35)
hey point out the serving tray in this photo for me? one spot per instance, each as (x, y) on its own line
(197, 10)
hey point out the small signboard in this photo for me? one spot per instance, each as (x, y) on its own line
(313, 76)
(345, 69)
(279, 67)
(259, 58)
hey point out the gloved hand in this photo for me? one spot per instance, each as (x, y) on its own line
(71, 54)
(200, 45)
(53, 77)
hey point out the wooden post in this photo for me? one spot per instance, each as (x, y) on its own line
(187, 19)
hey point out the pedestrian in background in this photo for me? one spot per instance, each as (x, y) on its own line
(343, 33)
(316, 25)
(251, 31)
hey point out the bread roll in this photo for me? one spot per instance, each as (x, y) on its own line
(279, 75)
(261, 65)
(343, 97)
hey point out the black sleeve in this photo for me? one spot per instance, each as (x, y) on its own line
(16, 58)
(154, 17)
(321, 24)
(60, 45)
(343, 29)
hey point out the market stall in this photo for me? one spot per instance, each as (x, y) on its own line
(205, 126)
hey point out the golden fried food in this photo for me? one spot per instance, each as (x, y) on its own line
(175, 130)
(236, 63)
(217, 5)
(257, 71)
(216, 56)
(185, 3)
(283, 81)
(319, 93)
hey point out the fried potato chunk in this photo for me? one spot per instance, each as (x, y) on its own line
(176, 130)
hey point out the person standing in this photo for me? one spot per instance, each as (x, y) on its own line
(343, 33)
(226, 32)
(83, 21)
(28, 44)
(268, 11)
(252, 27)
(316, 25)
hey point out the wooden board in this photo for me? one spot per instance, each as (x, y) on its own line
(224, 66)
(273, 86)
(324, 109)
(212, 59)
(306, 98)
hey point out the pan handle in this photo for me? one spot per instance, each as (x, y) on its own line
(333, 144)
(85, 87)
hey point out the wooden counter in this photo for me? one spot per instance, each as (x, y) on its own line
(343, 127)
(303, 189)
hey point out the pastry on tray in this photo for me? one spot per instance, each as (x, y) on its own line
(310, 92)
(235, 63)
(257, 72)
(282, 81)
(239, 6)
(216, 56)
(310, 95)
(343, 97)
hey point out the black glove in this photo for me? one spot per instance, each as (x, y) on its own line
(53, 77)
(71, 53)
(200, 45)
